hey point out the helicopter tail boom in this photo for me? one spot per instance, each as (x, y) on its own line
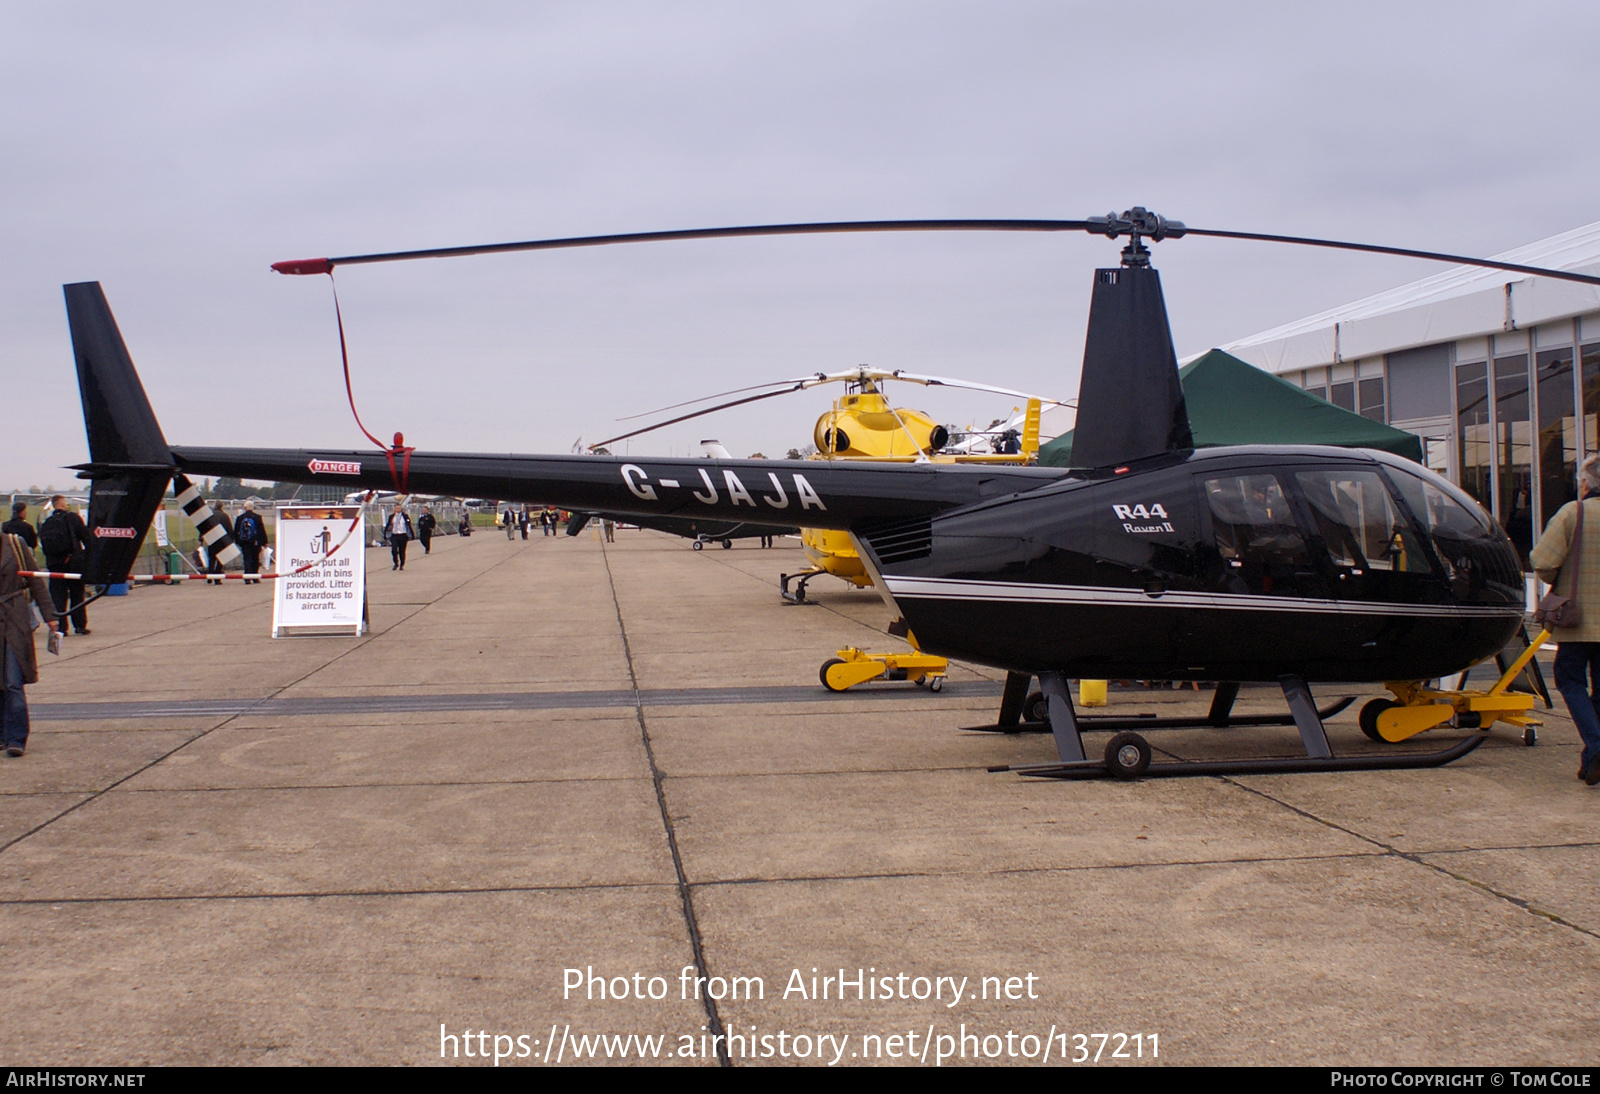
(777, 493)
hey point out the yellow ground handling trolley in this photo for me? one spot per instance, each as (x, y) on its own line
(852, 666)
(1416, 707)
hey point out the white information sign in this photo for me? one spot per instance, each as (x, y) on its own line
(161, 528)
(323, 587)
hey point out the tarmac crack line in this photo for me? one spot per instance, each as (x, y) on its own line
(791, 879)
(1417, 858)
(330, 894)
(1087, 868)
(685, 892)
(97, 795)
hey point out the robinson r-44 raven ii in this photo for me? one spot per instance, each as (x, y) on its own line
(1150, 560)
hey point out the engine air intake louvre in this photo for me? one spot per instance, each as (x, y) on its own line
(902, 540)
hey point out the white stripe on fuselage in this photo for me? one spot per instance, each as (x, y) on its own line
(938, 588)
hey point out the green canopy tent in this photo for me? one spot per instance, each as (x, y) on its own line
(1231, 402)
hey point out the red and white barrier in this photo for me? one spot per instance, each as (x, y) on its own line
(154, 579)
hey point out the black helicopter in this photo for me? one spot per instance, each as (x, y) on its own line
(1152, 560)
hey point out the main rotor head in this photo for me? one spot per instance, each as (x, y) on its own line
(1136, 223)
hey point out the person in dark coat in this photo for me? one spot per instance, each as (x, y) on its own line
(250, 533)
(425, 526)
(18, 524)
(19, 662)
(398, 529)
(65, 540)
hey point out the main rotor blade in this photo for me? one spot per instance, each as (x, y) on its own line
(1134, 222)
(697, 414)
(324, 265)
(1402, 252)
(720, 395)
(944, 381)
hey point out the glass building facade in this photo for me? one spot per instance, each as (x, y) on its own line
(1507, 416)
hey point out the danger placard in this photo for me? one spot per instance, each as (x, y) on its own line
(321, 556)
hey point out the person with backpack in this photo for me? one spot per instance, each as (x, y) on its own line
(65, 540)
(425, 526)
(250, 533)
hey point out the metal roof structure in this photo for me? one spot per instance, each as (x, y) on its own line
(1460, 302)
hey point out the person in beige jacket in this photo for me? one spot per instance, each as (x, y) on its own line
(1578, 652)
(20, 662)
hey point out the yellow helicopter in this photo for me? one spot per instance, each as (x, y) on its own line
(864, 425)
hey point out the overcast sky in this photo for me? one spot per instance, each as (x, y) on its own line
(172, 152)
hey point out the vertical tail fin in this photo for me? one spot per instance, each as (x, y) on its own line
(130, 463)
(1130, 401)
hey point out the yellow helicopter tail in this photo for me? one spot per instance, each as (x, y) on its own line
(1030, 430)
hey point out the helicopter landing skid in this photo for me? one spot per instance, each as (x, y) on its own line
(1128, 755)
(1220, 716)
(799, 594)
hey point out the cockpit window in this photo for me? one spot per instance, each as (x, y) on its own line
(1478, 560)
(1446, 515)
(1360, 523)
(1256, 533)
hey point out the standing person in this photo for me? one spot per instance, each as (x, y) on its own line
(610, 527)
(522, 522)
(1578, 652)
(425, 526)
(398, 528)
(66, 549)
(18, 525)
(250, 533)
(511, 524)
(19, 662)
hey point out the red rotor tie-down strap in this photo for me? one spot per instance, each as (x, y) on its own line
(399, 448)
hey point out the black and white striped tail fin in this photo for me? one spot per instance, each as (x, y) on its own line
(212, 532)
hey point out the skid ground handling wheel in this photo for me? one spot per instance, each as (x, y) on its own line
(1416, 707)
(1128, 755)
(853, 666)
